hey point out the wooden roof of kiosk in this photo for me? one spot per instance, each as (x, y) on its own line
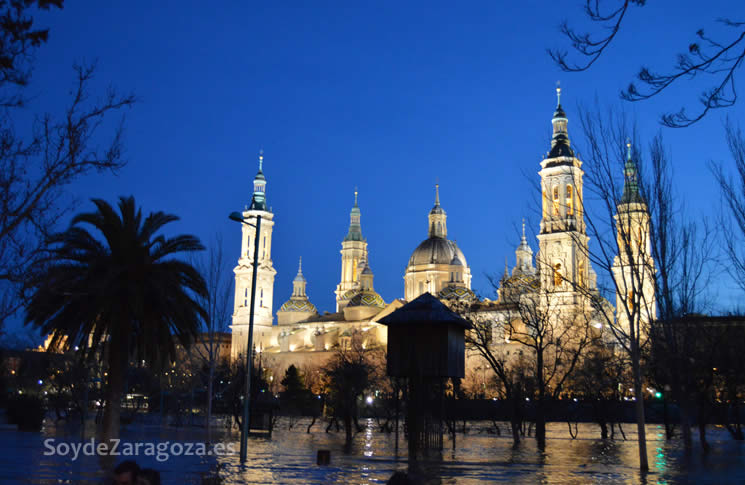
(427, 339)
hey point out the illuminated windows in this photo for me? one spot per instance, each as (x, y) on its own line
(556, 200)
(570, 201)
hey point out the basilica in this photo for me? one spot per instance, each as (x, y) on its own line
(561, 269)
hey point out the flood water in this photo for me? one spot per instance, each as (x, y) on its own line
(289, 457)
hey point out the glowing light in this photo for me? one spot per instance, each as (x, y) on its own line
(369, 399)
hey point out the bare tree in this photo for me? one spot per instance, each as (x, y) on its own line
(38, 161)
(557, 336)
(707, 56)
(733, 195)
(651, 256)
(486, 338)
(205, 353)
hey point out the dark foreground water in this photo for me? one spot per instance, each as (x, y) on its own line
(290, 457)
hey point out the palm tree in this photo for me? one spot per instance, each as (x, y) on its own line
(119, 296)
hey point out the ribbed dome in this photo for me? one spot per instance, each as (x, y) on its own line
(298, 305)
(436, 250)
(366, 298)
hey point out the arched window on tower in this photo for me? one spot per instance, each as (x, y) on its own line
(545, 204)
(556, 201)
(245, 297)
(570, 201)
(439, 228)
(261, 298)
(421, 287)
(630, 301)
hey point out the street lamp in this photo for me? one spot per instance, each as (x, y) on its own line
(237, 216)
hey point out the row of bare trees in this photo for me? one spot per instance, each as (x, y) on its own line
(656, 258)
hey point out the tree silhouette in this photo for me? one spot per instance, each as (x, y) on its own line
(122, 292)
(715, 59)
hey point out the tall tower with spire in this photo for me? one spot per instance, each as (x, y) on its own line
(243, 272)
(563, 259)
(633, 267)
(353, 252)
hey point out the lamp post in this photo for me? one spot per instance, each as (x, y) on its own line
(237, 216)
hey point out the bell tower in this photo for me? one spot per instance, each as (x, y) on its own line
(244, 270)
(353, 252)
(633, 267)
(563, 258)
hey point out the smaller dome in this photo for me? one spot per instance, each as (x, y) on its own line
(366, 298)
(456, 293)
(367, 270)
(298, 305)
(456, 261)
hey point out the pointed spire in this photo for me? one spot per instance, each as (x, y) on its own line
(258, 201)
(437, 217)
(560, 145)
(628, 149)
(523, 238)
(630, 182)
(299, 282)
(355, 229)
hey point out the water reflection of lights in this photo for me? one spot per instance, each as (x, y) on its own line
(660, 460)
(368, 438)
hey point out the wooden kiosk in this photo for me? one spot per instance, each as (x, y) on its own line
(426, 344)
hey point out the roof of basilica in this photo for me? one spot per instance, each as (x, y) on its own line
(366, 298)
(436, 250)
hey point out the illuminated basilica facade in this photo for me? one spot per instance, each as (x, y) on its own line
(561, 269)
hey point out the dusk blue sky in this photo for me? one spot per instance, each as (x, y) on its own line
(386, 96)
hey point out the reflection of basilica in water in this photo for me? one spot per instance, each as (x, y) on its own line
(438, 266)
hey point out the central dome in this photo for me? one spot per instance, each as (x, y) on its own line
(436, 250)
